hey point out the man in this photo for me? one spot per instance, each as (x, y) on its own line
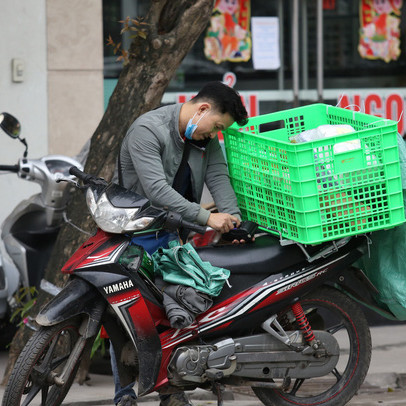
(167, 156)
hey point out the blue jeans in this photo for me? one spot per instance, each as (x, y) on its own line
(119, 391)
(150, 243)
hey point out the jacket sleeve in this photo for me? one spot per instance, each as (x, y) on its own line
(145, 150)
(218, 181)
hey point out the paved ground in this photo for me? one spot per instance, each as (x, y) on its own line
(385, 384)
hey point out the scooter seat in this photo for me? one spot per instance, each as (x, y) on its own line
(251, 263)
(264, 256)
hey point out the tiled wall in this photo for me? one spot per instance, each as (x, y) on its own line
(75, 72)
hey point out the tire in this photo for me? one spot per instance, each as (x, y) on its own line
(47, 352)
(329, 310)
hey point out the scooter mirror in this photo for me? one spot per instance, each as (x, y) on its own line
(10, 125)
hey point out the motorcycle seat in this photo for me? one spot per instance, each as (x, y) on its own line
(251, 263)
(264, 256)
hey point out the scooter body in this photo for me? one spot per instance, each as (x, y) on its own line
(29, 232)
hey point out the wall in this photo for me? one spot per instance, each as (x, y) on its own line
(60, 101)
(23, 31)
(75, 72)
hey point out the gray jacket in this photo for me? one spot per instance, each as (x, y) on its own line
(150, 157)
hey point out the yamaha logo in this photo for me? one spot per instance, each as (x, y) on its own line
(117, 287)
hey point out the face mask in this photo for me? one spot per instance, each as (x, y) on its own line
(191, 128)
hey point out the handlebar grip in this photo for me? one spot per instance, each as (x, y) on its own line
(73, 170)
(86, 178)
(194, 227)
(10, 168)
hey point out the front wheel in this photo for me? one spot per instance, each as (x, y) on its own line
(331, 311)
(46, 367)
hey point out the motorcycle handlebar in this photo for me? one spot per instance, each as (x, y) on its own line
(86, 178)
(9, 168)
(174, 221)
(73, 170)
(194, 227)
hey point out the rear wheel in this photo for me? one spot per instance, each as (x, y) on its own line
(334, 312)
(50, 353)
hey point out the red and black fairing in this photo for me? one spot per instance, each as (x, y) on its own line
(130, 294)
(100, 249)
(139, 312)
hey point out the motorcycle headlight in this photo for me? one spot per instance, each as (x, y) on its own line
(114, 219)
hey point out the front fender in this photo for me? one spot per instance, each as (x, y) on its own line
(78, 297)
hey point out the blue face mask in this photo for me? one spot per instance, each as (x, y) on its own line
(191, 128)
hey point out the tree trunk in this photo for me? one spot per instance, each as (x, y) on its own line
(172, 28)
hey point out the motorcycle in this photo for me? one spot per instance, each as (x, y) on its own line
(288, 324)
(29, 232)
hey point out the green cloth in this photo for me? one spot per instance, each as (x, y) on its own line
(181, 265)
(386, 263)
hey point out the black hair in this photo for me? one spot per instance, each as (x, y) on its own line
(224, 99)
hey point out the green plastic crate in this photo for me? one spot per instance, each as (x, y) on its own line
(309, 192)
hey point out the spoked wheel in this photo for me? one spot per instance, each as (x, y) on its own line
(46, 367)
(333, 312)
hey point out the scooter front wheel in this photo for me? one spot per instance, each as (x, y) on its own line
(46, 367)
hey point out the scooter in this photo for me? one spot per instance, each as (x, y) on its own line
(29, 232)
(288, 323)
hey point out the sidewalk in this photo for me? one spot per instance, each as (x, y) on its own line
(385, 384)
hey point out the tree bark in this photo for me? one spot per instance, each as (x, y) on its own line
(173, 26)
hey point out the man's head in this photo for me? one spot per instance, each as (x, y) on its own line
(214, 109)
(223, 99)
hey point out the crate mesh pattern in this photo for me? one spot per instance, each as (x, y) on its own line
(313, 192)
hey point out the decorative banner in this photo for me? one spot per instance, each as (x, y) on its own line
(228, 37)
(380, 33)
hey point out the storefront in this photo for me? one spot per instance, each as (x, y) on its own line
(280, 54)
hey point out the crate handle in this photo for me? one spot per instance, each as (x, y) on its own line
(271, 126)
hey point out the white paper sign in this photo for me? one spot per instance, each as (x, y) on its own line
(265, 42)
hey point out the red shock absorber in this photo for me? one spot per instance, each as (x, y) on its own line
(303, 322)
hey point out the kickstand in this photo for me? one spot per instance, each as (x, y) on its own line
(218, 389)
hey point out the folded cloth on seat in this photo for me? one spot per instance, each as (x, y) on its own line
(178, 316)
(182, 303)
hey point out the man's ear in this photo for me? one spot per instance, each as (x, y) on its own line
(204, 107)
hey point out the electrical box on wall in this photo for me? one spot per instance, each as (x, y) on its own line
(17, 70)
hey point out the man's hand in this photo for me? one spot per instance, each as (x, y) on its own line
(222, 222)
(245, 232)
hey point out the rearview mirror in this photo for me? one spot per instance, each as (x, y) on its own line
(10, 125)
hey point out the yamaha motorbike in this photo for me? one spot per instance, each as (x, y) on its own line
(29, 232)
(288, 324)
